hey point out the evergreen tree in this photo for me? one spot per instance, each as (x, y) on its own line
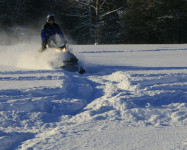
(5, 18)
(155, 21)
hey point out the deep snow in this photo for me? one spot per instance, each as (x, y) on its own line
(131, 97)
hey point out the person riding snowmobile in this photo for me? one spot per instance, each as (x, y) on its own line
(49, 31)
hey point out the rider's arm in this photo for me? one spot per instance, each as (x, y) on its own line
(43, 34)
(44, 37)
(59, 32)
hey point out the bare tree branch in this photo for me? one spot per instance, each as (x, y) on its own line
(86, 4)
(107, 13)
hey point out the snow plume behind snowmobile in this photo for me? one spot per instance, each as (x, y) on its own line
(69, 60)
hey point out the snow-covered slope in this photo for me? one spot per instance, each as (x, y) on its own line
(131, 97)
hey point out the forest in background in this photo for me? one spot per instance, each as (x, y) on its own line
(101, 21)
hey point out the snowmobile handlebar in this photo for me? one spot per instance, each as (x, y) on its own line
(62, 47)
(55, 45)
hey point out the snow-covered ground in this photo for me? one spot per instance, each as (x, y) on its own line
(132, 97)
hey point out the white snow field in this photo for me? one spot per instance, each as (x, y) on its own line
(132, 97)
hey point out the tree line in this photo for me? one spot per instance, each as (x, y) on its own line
(101, 21)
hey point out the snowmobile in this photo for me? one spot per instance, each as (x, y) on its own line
(70, 61)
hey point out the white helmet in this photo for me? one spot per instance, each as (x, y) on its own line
(50, 17)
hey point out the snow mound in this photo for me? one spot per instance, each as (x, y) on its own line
(142, 98)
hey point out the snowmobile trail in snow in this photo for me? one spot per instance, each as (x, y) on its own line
(140, 97)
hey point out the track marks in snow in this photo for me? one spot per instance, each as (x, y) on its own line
(133, 96)
(141, 98)
(137, 98)
(143, 50)
(64, 94)
(30, 108)
(12, 140)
